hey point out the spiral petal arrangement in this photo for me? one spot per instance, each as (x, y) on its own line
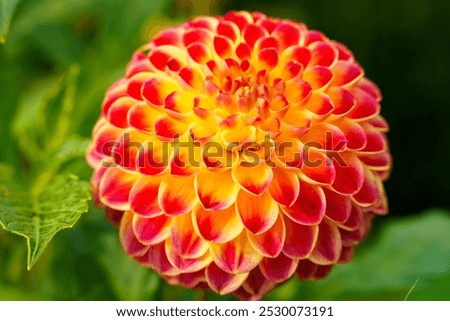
(238, 151)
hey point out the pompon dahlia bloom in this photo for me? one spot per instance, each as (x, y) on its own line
(238, 151)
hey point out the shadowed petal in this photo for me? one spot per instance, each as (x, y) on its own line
(300, 239)
(328, 246)
(223, 282)
(130, 243)
(338, 206)
(349, 174)
(278, 269)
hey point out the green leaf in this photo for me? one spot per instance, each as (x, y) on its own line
(38, 217)
(409, 254)
(7, 8)
(129, 280)
(43, 121)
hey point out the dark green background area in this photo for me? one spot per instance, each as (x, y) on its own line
(404, 47)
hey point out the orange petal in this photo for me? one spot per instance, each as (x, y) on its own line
(318, 76)
(223, 282)
(354, 133)
(318, 167)
(287, 34)
(118, 111)
(156, 258)
(323, 53)
(285, 186)
(128, 239)
(278, 269)
(185, 265)
(366, 105)
(268, 58)
(143, 116)
(369, 192)
(156, 89)
(185, 240)
(151, 231)
(254, 178)
(346, 73)
(300, 239)
(325, 136)
(223, 47)
(309, 208)
(153, 157)
(219, 226)
(343, 100)
(176, 194)
(258, 213)
(252, 33)
(115, 187)
(349, 173)
(319, 104)
(211, 197)
(236, 256)
(270, 243)
(167, 128)
(328, 246)
(256, 285)
(338, 206)
(144, 196)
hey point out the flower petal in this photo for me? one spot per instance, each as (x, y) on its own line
(346, 73)
(210, 196)
(349, 173)
(185, 265)
(223, 282)
(328, 246)
(369, 192)
(285, 186)
(343, 100)
(323, 53)
(300, 239)
(318, 167)
(131, 245)
(254, 178)
(144, 196)
(156, 258)
(115, 187)
(270, 243)
(317, 76)
(338, 206)
(151, 230)
(309, 208)
(185, 240)
(278, 269)
(258, 213)
(217, 226)
(236, 256)
(176, 194)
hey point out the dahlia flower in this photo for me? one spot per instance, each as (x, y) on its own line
(238, 151)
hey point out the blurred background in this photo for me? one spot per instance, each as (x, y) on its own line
(404, 47)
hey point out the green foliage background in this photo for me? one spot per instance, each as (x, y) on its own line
(58, 60)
